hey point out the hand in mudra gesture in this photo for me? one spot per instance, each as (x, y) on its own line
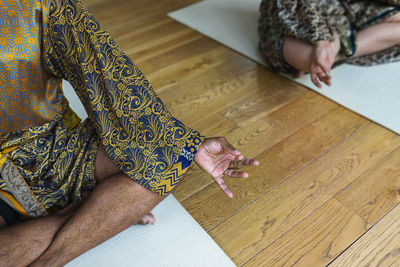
(219, 158)
(321, 63)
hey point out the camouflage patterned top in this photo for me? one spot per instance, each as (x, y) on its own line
(316, 20)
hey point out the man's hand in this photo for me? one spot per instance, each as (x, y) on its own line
(219, 158)
(321, 63)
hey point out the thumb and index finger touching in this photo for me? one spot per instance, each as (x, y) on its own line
(240, 159)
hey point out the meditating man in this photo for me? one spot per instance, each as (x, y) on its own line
(298, 36)
(76, 183)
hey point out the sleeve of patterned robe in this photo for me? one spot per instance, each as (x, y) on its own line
(310, 21)
(138, 133)
(303, 19)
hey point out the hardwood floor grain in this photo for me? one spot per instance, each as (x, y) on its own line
(316, 240)
(193, 99)
(277, 164)
(192, 66)
(376, 192)
(263, 102)
(265, 132)
(256, 226)
(380, 246)
(175, 53)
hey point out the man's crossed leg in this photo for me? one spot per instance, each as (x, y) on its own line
(116, 203)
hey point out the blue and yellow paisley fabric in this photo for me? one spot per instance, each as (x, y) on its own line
(125, 115)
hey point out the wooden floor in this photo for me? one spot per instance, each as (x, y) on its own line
(327, 188)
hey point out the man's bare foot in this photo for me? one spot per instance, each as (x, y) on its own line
(147, 219)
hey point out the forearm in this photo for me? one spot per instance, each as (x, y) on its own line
(22, 244)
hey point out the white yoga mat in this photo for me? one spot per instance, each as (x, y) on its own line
(175, 240)
(373, 92)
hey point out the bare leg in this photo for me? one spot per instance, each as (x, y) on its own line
(379, 37)
(116, 198)
(21, 244)
(115, 204)
(104, 167)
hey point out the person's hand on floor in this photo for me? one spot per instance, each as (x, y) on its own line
(219, 158)
(322, 60)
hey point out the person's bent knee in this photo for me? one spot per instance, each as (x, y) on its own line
(297, 54)
(124, 181)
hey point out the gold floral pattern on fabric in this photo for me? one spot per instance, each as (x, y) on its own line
(138, 133)
(28, 96)
(56, 162)
(56, 158)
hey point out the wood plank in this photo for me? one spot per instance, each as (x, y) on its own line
(180, 53)
(315, 241)
(277, 163)
(256, 226)
(261, 135)
(120, 11)
(196, 98)
(157, 51)
(376, 192)
(165, 32)
(266, 132)
(146, 24)
(380, 246)
(278, 92)
(185, 69)
(214, 125)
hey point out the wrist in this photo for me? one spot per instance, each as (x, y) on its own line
(323, 43)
